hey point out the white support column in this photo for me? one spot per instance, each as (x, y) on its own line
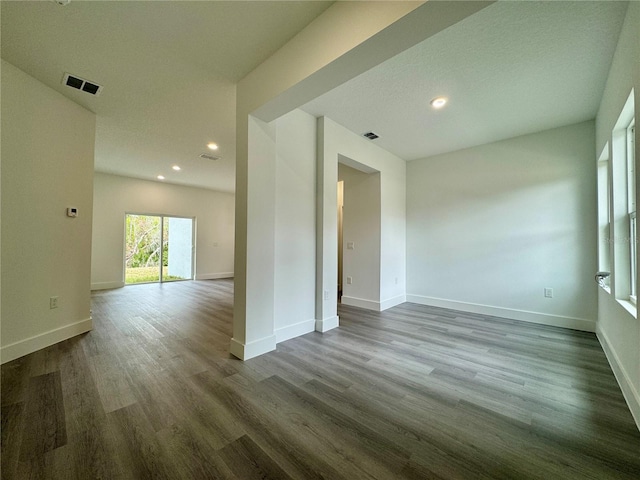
(253, 326)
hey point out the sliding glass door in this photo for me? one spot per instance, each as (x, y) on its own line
(158, 248)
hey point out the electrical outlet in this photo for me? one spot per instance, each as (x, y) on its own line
(326, 294)
(548, 292)
(349, 280)
(53, 302)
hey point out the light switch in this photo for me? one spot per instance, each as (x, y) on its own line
(350, 245)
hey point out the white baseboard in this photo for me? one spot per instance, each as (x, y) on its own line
(523, 315)
(214, 276)
(326, 324)
(292, 331)
(106, 285)
(372, 304)
(245, 351)
(392, 302)
(46, 339)
(360, 302)
(631, 395)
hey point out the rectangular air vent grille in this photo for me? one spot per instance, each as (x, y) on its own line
(81, 84)
(209, 157)
(371, 135)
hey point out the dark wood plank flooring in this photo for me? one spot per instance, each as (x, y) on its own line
(414, 392)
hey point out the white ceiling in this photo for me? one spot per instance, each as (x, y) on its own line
(169, 71)
(511, 69)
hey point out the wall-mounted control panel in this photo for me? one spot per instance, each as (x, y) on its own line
(72, 212)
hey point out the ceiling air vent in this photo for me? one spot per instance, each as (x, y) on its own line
(209, 157)
(81, 84)
(370, 135)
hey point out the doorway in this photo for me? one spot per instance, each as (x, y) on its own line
(359, 234)
(158, 248)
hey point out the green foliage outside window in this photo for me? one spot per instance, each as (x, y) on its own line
(144, 246)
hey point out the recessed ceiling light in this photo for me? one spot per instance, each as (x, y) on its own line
(439, 102)
(212, 146)
(176, 168)
(160, 177)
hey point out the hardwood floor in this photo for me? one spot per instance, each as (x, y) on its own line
(414, 392)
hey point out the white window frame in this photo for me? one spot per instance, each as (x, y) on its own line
(604, 216)
(624, 274)
(631, 196)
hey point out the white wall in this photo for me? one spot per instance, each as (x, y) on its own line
(617, 328)
(295, 225)
(114, 196)
(47, 165)
(361, 228)
(490, 227)
(336, 141)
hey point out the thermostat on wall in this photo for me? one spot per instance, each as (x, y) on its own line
(72, 212)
